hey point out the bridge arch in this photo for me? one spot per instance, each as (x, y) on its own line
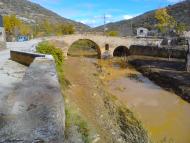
(121, 51)
(96, 46)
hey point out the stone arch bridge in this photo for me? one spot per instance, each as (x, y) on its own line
(107, 44)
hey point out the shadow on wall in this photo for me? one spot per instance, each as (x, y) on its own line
(121, 51)
(84, 47)
(155, 51)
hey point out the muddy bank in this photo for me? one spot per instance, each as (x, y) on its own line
(170, 75)
(163, 113)
(108, 121)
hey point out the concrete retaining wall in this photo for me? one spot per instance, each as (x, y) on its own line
(155, 51)
(37, 111)
(24, 58)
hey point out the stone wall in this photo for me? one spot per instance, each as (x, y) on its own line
(155, 51)
(36, 108)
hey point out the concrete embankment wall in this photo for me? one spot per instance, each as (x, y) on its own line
(155, 51)
(37, 113)
(24, 58)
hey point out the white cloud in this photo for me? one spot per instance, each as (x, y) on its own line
(175, 1)
(129, 16)
(89, 22)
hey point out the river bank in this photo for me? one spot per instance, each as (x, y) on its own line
(107, 119)
(170, 75)
(100, 88)
(163, 113)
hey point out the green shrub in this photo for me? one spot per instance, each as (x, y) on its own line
(48, 48)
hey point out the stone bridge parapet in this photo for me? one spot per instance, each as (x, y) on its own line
(107, 43)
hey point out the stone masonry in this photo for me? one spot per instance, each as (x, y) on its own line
(106, 43)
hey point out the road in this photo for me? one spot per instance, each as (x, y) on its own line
(11, 73)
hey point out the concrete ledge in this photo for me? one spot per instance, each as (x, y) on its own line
(36, 112)
(24, 58)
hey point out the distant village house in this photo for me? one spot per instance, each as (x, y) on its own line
(2, 34)
(142, 32)
(186, 34)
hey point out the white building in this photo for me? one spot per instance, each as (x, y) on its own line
(142, 32)
(2, 34)
(186, 34)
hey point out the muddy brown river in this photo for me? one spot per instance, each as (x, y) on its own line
(165, 115)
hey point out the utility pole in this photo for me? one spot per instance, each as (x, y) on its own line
(188, 56)
(131, 27)
(104, 24)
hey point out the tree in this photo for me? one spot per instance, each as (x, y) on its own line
(67, 29)
(11, 24)
(14, 26)
(112, 33)
(166, 23)
(25, 30)
(180, 28)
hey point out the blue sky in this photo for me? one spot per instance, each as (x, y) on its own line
(91, 12)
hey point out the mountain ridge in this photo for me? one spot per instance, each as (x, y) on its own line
(32, 12)
(180, 11)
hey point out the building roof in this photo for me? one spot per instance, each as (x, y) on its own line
(142, 28)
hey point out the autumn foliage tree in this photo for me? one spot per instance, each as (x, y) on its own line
(112, 33)
(166, 23)
(14, 26)
(46, 28)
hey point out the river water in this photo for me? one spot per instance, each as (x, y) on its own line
(165, 115)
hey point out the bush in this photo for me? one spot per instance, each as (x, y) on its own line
(112, 33)
(48, 48)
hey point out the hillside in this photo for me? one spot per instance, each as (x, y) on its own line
(180, 11)
(31, 13)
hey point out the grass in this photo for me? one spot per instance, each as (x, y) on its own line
(73, 119)
(132, 129)
(72, 116)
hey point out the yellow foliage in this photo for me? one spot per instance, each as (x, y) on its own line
(165, 21)
(14, 26)
(112, 33)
